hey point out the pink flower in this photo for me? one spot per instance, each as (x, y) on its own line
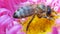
(8, 25)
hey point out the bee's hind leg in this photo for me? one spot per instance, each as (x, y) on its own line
(30, 22)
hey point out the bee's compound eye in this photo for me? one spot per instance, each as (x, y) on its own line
(48, 10)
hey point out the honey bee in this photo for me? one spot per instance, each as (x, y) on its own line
(40, 10)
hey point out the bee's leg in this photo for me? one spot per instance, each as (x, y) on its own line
(30, 22)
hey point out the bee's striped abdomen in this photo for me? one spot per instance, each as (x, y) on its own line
(24, 12)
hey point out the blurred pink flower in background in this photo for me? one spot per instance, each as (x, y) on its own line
(8, 25)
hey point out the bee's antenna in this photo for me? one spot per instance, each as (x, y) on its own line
(29, 23)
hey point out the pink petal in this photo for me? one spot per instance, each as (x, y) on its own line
(14, 29)
(5, 20)
(4, 11)
(54, 30)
